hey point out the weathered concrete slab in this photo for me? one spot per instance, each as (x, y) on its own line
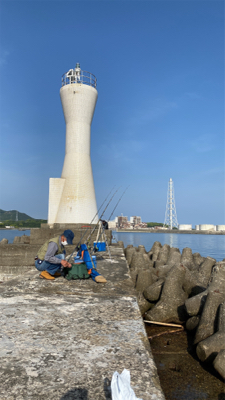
(17, 255)
(63, 340)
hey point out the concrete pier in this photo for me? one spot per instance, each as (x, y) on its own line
(64, 340)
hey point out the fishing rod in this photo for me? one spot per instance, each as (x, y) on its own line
(77, 246)
(115, 206)
(93, 230)
(96, 215)
(118, 203)
(101, 205)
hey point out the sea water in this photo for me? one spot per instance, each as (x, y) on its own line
(206, 245)
(11, 233)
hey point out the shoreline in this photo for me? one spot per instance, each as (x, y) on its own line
(16, 229)
(193, 232)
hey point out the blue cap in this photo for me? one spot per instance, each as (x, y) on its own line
(69, 235)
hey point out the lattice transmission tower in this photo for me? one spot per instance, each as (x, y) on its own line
(171, 215)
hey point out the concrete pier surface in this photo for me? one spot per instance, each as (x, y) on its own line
(64, 339)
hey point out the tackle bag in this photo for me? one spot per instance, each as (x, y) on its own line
(77, 271)
(84, 253)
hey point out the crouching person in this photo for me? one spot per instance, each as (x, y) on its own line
(50, 259)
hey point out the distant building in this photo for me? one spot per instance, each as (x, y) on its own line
(135, 220)
(207, 227)
(122, 221)
(185, 227)
(220, 227)
(112, 224)
(134, 223)
(158, 227)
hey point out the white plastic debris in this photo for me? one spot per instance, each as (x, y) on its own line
(120, 386)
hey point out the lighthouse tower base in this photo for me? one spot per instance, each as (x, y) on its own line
(55, 192)
(71, 205)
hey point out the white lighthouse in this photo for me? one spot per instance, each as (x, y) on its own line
(72, 197)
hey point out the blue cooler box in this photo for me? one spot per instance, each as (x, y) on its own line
(100, 245)
(78, 261)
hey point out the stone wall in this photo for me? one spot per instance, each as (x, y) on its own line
(20, 254)
(39, 236)
(17, 254)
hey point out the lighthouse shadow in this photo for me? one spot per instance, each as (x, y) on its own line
(75, 394)
(82, 394)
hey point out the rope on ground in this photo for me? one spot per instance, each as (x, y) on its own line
(164, 324)
(164, 333)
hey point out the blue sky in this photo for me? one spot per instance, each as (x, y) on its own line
(160, 109)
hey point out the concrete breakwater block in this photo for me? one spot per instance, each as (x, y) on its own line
(187, 289)
(170, 307)
(219, 363)
(4, 241)
(25, 239)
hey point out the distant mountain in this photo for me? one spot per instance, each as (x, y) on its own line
(12, 216)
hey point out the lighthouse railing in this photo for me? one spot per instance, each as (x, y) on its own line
(83, 77)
